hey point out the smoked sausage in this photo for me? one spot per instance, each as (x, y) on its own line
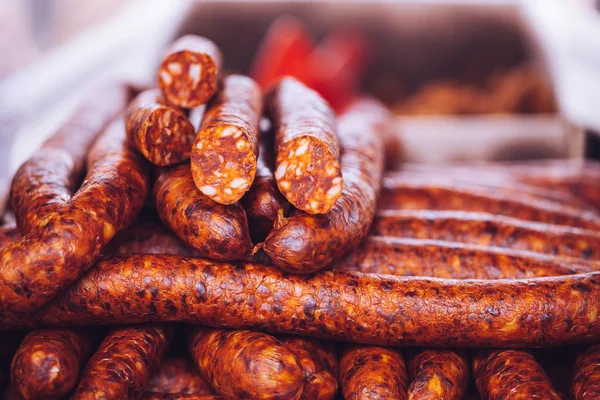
(585, 384)
(437, 374)
(177, 375)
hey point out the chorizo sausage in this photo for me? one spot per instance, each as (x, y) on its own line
(48, 362)
(122, 366)
(371, 372)
(246, 364)
(216, 231)
(178, 375)
(489, 230)
(418, 257)
(305, 243)
(438, 374)
(226, 147)
(585, 383)
(514, 374)
(189, 72)
(331, 304)
(49, 178)
(307, 152)
(160, 131)
(42, 263)
(411, 194)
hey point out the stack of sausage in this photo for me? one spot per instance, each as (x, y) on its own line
(267, 241)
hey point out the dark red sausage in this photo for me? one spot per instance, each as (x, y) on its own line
(585, 384)
(178, 375)
(306, 243)
(438, 375)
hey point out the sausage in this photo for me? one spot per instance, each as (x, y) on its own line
(48, 361)
(330, 305)
(42, 263)
(216, 231)
(411, 194)
(225, 150)
(246, 364)
(123, 364)
(179, 396)
(586, 374)
(418, 257)
(158, 130)
(514, 374)
(307, 243)
(178, 375)
(371, 372)
(319, 363)
(438, 374)
(189, 72)
(307, 152)
(489, 230)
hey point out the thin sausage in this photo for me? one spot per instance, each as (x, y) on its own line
(438, 374)
(331, 305)
(585, 384)
(48, 361)
(246, 364)
(225, 150)
(188, 74)
(178, 376)
(216, 231)
(370, 372)
(307, 162)
(489, 230)
(42, 263)
(514, 374)
(122, 366)
(160, 131)
(307, 243)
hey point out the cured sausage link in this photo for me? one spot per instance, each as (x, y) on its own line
(437, 374)
(585, 384)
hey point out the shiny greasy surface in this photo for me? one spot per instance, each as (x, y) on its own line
(489, 230)
(216, 231)
(372, 373)
(246, 365)
(511, 374)
(352, 306)
(437, 374)
(123, 364)
(306, 243)
(54, 254)
(585, 384)
(177, 375)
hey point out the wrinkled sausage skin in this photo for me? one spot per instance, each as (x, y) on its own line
(246, 364)
(225, 150)
(438, 375)
(216, 231)
(371, 372)
(585, 384)
(178, 376)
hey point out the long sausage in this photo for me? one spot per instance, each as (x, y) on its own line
(42, 263)
(307, 152)
(332, 304)
(216, 231)
(306, 243)
(189, 72)
(225, 150)
(585, 384)
(489, 230)
(177, 375)
(438, 375)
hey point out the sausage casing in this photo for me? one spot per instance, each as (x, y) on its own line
(585, 384)
(438, 374)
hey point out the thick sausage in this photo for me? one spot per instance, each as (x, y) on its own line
(189, 72)
(333, 304)
(585, 384)
(428, 194)
(216, 231)
(48, 362)
(225, 150)
(246, 364)
(511, 374)
(371, 372)
(178, 376)
(42, 263)
(306, 243)
(49, 178)
(179, 396)
(307, 152)
(123, 364)
(418, 257)
(438, 374)
(160, 131)
(319, 363)
(489, 230)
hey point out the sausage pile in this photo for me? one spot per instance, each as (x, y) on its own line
(264, 253)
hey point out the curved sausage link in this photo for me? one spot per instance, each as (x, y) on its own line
(246, 364)
(585, 384)
(178, 375)
(438, 374)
